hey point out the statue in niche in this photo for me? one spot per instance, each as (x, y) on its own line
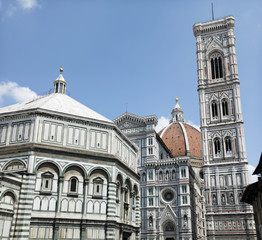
(144, 177)
(231, 198)
(185, 220)
(173, 174)
(150, 221)
(160, 175)
(223, 199)
(167, 175)
(214, 199)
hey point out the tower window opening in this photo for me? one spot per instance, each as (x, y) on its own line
(212, 69)
(225, 107)
(214, 109)
(216, 66)
(217, 147)
(228, 145)
(220, 67)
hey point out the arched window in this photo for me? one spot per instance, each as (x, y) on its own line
(225, 107)
(216, 66)
(217, 148)
(214, 109)
(228, 144)
(73, 185)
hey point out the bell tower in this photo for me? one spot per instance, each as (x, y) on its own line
(223, 145)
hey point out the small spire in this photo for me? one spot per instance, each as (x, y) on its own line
(177, 113)
(60, 83)
(212, 11)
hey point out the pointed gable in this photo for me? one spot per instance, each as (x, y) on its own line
(168, 214)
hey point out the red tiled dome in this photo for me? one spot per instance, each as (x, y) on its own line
(182, 139)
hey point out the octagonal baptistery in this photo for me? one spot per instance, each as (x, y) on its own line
(181, 138)
(67, 172)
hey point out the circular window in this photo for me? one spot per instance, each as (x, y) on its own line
(168, 195)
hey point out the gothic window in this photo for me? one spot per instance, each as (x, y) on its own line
(150, 141)
(150, 202)
(183, 172)
(150, 150)
(216, 66)
(228, 146)
(225, 107)
(161, 156)
(184, 189)
(150, 175)
(150, 191)
(184, 199)
(217, 148)
(214, 109)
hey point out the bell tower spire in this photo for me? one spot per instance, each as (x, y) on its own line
(60, 83)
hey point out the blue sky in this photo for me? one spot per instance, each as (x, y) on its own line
(138, 53)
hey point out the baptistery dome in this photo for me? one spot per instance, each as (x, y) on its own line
(181, 138)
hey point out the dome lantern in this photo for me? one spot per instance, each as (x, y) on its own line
(60, 83)
(177, 113)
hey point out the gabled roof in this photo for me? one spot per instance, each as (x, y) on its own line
(55, 103)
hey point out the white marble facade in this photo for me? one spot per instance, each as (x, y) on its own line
(172, 200)
(66, 172)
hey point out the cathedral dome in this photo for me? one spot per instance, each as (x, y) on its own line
(181, 138)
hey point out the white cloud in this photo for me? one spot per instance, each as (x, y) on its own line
(27, 4)
(10, 10)
(252, 178)
(162, 122)
(194, 125)
(16, 92)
